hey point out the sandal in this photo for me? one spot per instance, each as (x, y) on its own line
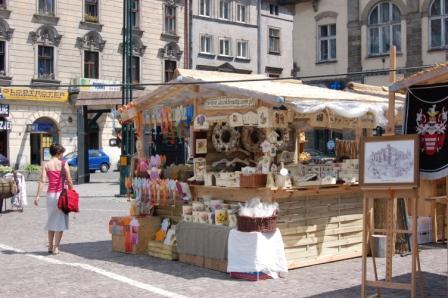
(55, 250)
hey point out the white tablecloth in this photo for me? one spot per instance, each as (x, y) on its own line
(256, 252)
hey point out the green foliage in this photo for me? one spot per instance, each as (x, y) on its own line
(5, 169)
(32, 168)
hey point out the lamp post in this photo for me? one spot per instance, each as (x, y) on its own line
(127, 144)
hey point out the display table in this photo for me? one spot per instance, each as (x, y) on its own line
(256, 252)
(318, 224)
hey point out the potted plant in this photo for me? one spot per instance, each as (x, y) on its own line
(4, 170)
(90, 18)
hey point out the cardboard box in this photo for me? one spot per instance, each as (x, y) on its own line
(120, 229)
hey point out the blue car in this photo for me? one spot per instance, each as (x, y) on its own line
(98, 160)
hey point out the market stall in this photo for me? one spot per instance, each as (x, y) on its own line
(245, 136)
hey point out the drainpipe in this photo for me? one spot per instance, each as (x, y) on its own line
(190, 34)
(259, 36)
(186, 34)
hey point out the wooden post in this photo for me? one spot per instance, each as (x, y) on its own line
(365, 229)
(390, 130)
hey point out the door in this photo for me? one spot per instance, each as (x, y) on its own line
(35, 145)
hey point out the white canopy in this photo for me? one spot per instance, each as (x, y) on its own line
(300, 97)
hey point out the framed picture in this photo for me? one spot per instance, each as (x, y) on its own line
(199, 167)
(201, 146)
(47, 155)
(389, 161)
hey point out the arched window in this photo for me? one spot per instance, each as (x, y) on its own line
(384, 28)
(438, 23)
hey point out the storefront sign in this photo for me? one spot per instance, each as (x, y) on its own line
(34, 94)
(4, 110)
(95, 85)
(5, 125)
(229, 103)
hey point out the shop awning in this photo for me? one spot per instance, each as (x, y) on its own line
(189, 84)
(105, 98)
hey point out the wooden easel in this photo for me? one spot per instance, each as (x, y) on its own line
(391, 231)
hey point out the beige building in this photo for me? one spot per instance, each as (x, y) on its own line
(355, 35)
(50, 43)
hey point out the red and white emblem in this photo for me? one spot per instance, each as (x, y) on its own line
(432, 129)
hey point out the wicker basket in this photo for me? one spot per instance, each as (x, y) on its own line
(257, 224)
(8, 188)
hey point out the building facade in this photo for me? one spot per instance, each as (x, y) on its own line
(47, 44)
(276, 28)
(356, 36)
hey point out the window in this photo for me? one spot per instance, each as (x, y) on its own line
(206, 44)
(384, 27)
(135, 13)
(91, 14)
(170, 19)
(2, 58)
(135, 70)
(91, 65)
(274, 41)
(224, 47)
(224, 9)
(46, 7)
(327, 42)
(273, 9)
(242, 49)
(241, 13)
(204, 8)
(170, 67)
(438, 24)
(45, 62)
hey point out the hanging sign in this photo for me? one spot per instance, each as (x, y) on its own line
(229, 103)
(12, 93)
(96, 85)
(5, 125)
(4, 110)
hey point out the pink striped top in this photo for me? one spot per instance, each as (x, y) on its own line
(54, 181)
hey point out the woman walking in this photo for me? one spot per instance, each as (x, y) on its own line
(57, 220)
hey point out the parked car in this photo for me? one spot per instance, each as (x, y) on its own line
(98, 160)
(4, 161)
(319, 157)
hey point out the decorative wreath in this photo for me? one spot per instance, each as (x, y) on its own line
(225, 138)
(283, 139)
(252, 137)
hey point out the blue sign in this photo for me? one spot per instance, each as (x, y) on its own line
(42, 127)
(4, 110)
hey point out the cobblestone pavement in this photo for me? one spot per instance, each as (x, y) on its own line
(86, 266)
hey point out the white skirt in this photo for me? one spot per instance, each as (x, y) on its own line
(57, 220)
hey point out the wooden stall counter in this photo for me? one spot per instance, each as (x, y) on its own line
(318, 225)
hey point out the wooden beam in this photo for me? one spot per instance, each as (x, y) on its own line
(390, 130)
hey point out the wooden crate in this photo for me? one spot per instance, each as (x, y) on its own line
(159, 250)
(192, 260)
(320, 229)
(216, 264)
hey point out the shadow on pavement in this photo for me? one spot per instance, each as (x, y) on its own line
(435, 286)
(102, 250)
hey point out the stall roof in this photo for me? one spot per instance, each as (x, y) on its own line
(382, 91)
(300, 97)
(434, 75)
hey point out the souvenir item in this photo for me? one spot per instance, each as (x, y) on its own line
(225, 138)
(170, 237)
(199, 168)
(266, 146)
(279, 119)
(264, 117)
(252, 138)
(201, 146)
(197, 206)
(220, 217)
(250, 119)
(200, 122)
(236, 120)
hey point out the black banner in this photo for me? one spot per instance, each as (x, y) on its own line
(427, 115)
(4, 110)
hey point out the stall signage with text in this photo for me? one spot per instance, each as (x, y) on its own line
(34, 94)
(5, 125)
(4, 110)
(229, 103)
(95, 85)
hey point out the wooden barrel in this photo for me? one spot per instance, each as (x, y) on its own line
(8, 188)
